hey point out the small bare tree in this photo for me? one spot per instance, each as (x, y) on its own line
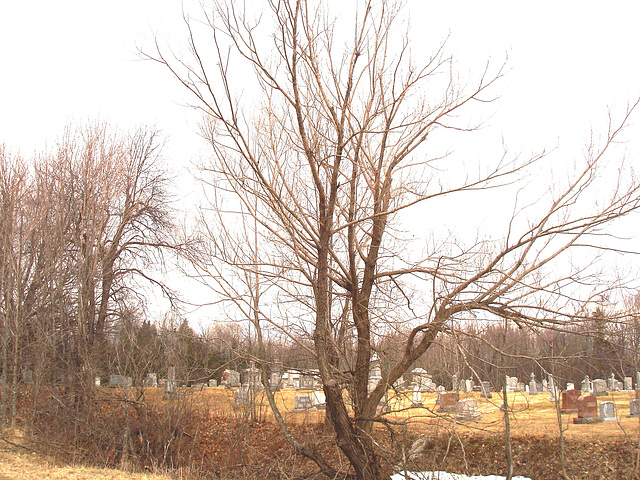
(326, 151)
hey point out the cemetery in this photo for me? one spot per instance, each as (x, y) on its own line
(590, 422)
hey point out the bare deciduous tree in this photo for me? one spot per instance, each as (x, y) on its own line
(330, 151)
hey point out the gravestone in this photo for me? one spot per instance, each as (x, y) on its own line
(383, 405)
(423, 380)
(213, 382)
(417, 401)
(306, 382)
(599, 387)
(448, 401)
(611, 382)
(375, 375)
(512, 383)
(633, 408)
(469, 385)
(545, 386)
(97, 382)
(27, 376)
(120, 381)
(230, 379)
(608, 412)
(275, 381)
(170, 385)
(242, 396)
(292, 379)
(570, 386)
(637, 380)
(569, 401)
(252, 378)
(467, 410)
(533, 386)
(485, 387)
(302, 403)
(587, 410)
(454, 383)
(585, 387)
(319, 400)
(619, 386)
(151, 380)
(399, 383)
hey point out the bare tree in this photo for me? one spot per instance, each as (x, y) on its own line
(328, 152)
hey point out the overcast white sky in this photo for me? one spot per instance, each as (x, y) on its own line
(76, 60)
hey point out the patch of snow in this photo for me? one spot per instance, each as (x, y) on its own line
(449, 476)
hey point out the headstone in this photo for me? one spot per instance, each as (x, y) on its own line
(448, 401)
(27, 376)
(587, 410)
(467, 410)
(633, 408)
(586, 385)
(608, 412)
(569, 401)
(455, 387)
(302, 402)
(611, 382)
(213, 382)
(242, 396)
(171, 386)
(252, 377)
(151, 380)
(319, 400)
(417, 401)
(512, 384)
(275, 381)
(306, 382)
(486, 389)
(545, 386)
(469, 385)
(553, 390)
(230, 379)
(619, 386)
(120, 381)
(97, 381)
(292, 379)
(599, 387)
(399, 383)
(533, 387)
(570, 386)
(637, 380)
(423, 380)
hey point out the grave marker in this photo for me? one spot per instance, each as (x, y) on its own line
(587, 410)
(448, 401)
(467, 410)
(302, 403)
(569, 401)
(608, 412)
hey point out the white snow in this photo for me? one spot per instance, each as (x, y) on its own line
(449, 476)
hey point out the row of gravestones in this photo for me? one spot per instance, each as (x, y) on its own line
(586, 406)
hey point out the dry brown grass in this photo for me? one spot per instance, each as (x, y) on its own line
(531, 415)
(17, 465)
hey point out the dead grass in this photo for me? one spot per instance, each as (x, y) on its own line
(530, 415)
(22, 465)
